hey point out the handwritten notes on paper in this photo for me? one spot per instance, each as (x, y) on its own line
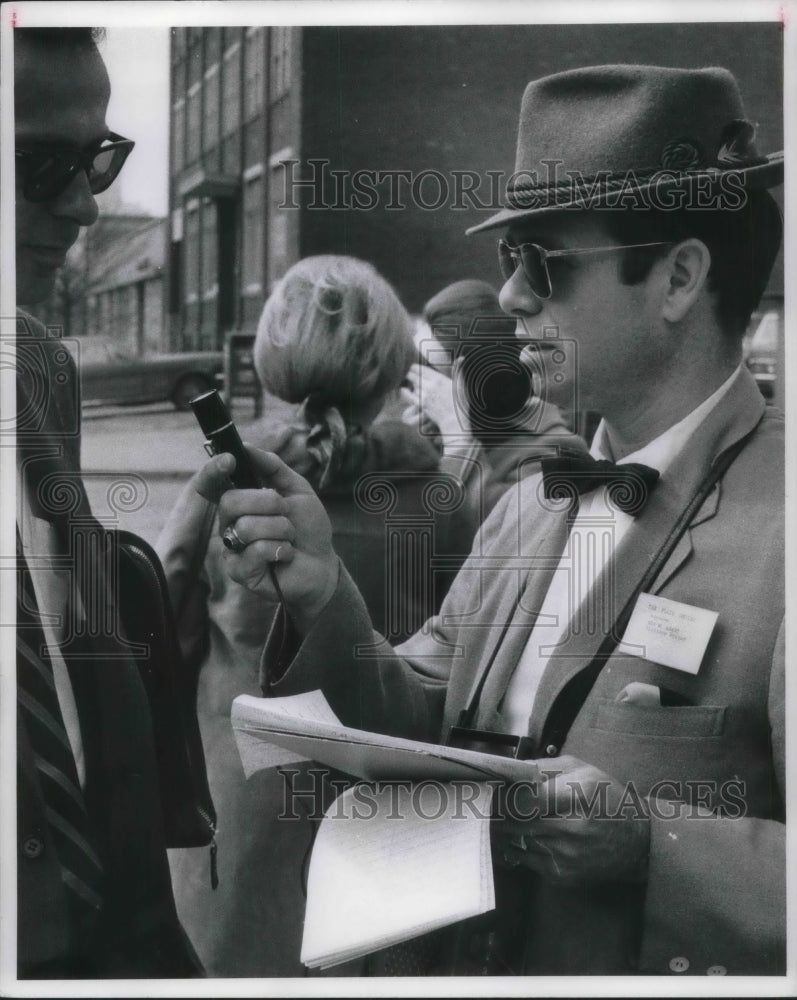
(391, 862)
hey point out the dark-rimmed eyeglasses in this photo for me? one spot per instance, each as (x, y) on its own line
(535, 259)
(48, 170)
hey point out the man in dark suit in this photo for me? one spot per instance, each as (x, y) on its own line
(94, 892)
(625, 616)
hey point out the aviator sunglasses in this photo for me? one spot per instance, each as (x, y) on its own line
(535, 259)
(50, 169)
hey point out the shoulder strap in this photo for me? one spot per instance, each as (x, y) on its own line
(570, 700)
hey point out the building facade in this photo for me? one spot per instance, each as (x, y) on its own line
(235, 100)
(125, 282)
(381, 142)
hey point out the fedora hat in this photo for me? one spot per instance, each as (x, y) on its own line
(632, 136)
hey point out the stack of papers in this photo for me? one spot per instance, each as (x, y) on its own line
(271, 732)
(391, 860)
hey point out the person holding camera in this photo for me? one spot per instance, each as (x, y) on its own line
(620, 618)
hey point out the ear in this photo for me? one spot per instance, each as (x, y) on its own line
(687, 265)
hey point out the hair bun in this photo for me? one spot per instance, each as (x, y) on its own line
(329, 300)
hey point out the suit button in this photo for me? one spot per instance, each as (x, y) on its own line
(717, 970)
(551, 750)
(32, 847)
(679, 964)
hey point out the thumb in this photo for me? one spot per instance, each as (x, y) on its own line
(213, 478)
(276, 475)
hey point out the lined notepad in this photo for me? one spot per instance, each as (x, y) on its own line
(405, 853)
(377, 879)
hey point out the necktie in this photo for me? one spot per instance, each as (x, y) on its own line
(629, 486)
(40, 713)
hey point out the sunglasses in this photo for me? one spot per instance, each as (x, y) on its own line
(49, 170)
(535, 259)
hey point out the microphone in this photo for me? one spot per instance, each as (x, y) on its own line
(222, 436)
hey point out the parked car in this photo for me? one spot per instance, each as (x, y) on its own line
(761, 344)
(151, 379)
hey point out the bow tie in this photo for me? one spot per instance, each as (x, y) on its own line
(630, 485)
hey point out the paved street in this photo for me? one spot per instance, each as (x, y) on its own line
(136, 460)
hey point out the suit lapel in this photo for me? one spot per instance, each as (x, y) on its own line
(684, 547)
(737, 413)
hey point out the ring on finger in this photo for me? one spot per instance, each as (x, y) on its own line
(233, 541)
(277, 554)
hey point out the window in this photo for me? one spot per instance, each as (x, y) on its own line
(179, 77)
(175, 276)
(253, 229)
(191, 283)
(280, 61)
(212, 45)
(179, 43)
(194, 64)
(210, 278)
(231, 89)
(279, 232)
(211, 131)
(254, 67)
(194, 123)
(178, 135)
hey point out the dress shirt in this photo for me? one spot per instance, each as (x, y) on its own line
(51, 587)
(579, 586)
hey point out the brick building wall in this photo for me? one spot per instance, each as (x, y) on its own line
(438, 102)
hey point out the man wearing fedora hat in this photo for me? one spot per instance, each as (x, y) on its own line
(620, 620)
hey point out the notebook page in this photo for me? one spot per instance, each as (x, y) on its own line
(257, 754)
(392, 861)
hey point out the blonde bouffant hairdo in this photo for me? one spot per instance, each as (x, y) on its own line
(334, 332)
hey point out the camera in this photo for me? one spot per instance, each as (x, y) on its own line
(499, 381)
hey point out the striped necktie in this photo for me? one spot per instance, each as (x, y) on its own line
(65, 809)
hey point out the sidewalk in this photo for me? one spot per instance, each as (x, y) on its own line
(153, 442)
(173, 453)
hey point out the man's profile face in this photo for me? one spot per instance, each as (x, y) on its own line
(595, 335)
(61, 95)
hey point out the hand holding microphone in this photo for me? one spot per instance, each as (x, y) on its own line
(275, 529)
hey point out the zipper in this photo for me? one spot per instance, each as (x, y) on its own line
(214, 848)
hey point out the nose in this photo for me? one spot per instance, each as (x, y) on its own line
(517, 298)
(76, 202)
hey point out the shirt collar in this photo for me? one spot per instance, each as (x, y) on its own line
(661, 451)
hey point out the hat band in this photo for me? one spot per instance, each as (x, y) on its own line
(681, 159)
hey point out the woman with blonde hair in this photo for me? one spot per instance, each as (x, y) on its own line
(333, 338)
(333, 346)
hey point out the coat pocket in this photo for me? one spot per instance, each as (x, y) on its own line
(678, 745)
(683, 722)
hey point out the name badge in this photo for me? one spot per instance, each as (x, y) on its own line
(668, 632)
